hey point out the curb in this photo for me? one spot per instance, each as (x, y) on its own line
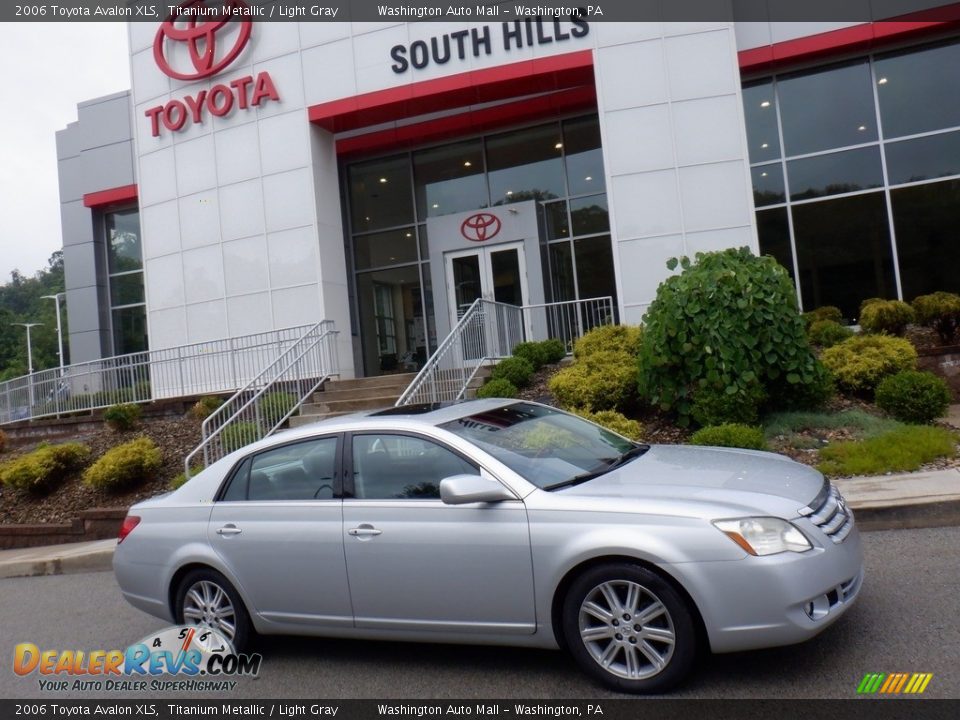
(94, 561)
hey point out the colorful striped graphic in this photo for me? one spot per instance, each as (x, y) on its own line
(894, 683)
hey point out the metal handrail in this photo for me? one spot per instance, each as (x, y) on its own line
(289, 380)
(489, 331)
(212, 367)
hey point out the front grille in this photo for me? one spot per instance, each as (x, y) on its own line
(830, 513)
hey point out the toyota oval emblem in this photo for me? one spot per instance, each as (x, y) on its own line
(200, 37)
(480, 227)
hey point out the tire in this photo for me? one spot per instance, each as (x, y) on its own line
(202, 585)
(608, 646)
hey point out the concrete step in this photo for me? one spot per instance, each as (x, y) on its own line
(401, 381)
(358, 393)
(301, 420)
(345, 406)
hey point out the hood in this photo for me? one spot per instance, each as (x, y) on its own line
(682, 471)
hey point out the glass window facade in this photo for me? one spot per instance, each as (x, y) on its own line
(128, 312)
(856, 175)
(558, 164)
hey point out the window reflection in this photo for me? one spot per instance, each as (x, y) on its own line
(526, 165)
(918, 90)
(584, 158)
(123, 235)
(759, 107)
(392, 320)
(595, 276)
(843, 251)
(385, 248)
(380, 194)
(450, 179)
(773, 232)
(925, 158)
(590, 215)
(128, 312)
(925, 219)
(835, 173)
(768, 186)
(827, 109)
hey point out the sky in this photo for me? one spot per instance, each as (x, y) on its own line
(47, 69)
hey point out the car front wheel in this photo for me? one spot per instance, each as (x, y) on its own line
(206, 598)
(628, 628)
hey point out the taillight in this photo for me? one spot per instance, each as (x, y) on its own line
(129, 523)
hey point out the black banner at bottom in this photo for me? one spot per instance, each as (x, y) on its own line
(628, 709)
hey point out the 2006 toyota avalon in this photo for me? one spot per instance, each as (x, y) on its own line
(503, 522)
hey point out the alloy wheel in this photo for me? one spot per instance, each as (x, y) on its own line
(207, 604)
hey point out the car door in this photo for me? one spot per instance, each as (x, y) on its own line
(415, 563)
(278, 527)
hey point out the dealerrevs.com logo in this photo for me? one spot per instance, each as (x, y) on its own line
(198, 658)
(200, 38)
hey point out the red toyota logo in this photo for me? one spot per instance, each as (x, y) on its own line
(200, 38)
(480, 227)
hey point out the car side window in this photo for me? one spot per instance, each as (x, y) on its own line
(387, 467)
(299, 471)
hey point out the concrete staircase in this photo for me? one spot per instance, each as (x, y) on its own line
(341, 397)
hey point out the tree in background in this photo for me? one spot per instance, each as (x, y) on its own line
(21, 300)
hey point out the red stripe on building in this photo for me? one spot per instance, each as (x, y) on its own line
(113, 196)
(541, 75)
(856, 38)
(476, 121)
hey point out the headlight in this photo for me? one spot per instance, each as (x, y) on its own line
(764, 535)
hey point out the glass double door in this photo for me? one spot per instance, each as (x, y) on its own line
(497, 273)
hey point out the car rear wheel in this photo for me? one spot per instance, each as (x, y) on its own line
(207, 599)
(628, 628)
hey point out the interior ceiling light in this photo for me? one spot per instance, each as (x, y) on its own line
(763, 174)
(765, 146)
(383, 180)
(558, 145)
(765, 104)
(509, 192)
(436, 205)
(467, 163)
(882, 81)
(862, 128)
(588, 178)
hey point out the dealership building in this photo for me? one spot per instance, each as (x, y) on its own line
(383, 176)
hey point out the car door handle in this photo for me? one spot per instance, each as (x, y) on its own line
(364, 531)
(229, 529)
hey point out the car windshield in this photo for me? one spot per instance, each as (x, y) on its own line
(550, 448)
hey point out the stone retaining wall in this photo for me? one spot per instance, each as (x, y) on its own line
(96, 524)
(945, 362)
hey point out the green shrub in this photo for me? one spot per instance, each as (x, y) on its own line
(902, 450)
(827, 333)
(714, 406)
(238, 434)
(3, 441)
(45, 468)
(870, 301)
(516, 370)
(121, 418)
(205, 407)
(532, 352)
(914, 397)
(499, 388)
(602, 380)
(827, 312)
(860, 363)
(940, 311)
(886, 316)
(733, 435)
(125, 466)
(617, 422)
(605, 338)
(275, 405)
(553, 350)
(181, 479)
(728, 321)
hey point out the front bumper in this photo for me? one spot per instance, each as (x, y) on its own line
(782, 599)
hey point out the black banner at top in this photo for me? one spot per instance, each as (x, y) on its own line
(432, 11)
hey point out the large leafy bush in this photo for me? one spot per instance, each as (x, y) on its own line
(125, 465)
(46, 467)
(498, 388)
(604, 338)
(940, 311)
(827, 312)
(540, 353)
(827, 333)
(727, 325)
(860, 363)
(914, 397)
(516, 370)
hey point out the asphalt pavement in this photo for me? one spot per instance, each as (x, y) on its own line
(906, 620)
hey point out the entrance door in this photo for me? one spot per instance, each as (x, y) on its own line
(496, 273)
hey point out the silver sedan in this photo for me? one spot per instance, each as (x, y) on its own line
(501, 522)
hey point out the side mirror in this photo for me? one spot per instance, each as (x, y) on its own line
(462, 489)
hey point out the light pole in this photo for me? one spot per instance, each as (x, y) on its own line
(56, 298)
(29, 346)
(29, 361)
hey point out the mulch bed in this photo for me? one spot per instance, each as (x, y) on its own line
(174, 436)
